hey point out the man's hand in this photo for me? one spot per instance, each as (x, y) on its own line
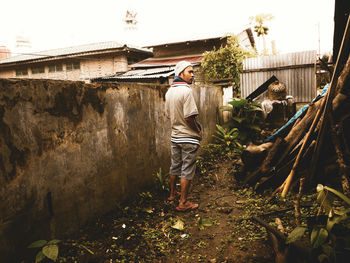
(192, 123)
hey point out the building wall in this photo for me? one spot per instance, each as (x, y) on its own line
(296, 70)
(71, 151)
(7, 73)
(89, 68)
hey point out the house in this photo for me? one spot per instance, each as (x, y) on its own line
(74, 63)
(4, 52)
(160, 67)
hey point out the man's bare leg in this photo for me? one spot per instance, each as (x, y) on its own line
(185, 205)
(185, 186)
(172, 187)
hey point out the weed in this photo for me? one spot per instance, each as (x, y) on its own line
(49, 249)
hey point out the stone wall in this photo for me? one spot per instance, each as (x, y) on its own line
(71, 151)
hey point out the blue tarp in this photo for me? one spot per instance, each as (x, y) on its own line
(297, 115)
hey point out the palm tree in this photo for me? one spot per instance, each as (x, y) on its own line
(260, 28)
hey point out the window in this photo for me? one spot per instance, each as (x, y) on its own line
(132, 60)
(38, 70)
(76, 65)
(72, 66)
(55, 68)
(21, 72)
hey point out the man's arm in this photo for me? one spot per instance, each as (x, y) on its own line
(192, 123)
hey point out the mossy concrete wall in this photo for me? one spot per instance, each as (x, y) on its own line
(71, 151)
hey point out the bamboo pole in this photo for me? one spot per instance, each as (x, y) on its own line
(319, 141)
(287, 182)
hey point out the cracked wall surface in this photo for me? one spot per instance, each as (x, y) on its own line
(71, 151)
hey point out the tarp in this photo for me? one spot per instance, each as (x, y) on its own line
(297, 115)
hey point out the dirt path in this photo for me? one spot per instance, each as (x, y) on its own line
(224, 239)
(146, 230)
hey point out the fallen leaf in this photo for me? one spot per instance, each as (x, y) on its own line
(148, 210)
(179, 225)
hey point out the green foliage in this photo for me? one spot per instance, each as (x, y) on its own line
(296, 234)
(259, 27)
(225, 63)
(161, 181)
(210, 154)
(330, 244)
(246, 117)
(228, 140)
(204, 222)
(48, 249)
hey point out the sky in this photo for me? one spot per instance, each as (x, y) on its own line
(48, 24)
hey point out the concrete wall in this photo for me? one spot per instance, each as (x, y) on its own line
(70, 151)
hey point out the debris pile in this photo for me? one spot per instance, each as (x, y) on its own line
(313, 146)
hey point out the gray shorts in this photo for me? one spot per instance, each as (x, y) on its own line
(183, 159)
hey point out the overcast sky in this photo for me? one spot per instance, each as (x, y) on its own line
(52, 24)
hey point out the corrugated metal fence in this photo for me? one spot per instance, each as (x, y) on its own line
(296, 70)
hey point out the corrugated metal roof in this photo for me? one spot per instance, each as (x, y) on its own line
(281, 60)
(152, 73)
(153, 76)
(188, 41)
(166, 61)
(70, 51)
(295, 70)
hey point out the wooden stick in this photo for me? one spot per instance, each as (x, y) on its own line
(329, 98)
(297, 201)
(268, 227)
(288, 181)
(343, 169)
(279, 225)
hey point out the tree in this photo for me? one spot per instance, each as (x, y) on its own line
(260, 28)
(226, 63)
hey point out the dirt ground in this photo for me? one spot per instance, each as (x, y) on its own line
(150, 229)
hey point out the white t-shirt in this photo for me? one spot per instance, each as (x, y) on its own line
(180, 104)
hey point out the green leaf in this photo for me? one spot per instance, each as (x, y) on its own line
(238, 119)
(51, 251)
(207, 222)
(318, 237)
(232, 131)
(254, 127)
(39, 257)
(335, 220)
(325, 200)
(53, 242)
(296, 234)
(339, 194)
(38, 243)
(253, 108)
(204, 222)
(222, 130)
(148, 210)
(238, 103)
(255, 104)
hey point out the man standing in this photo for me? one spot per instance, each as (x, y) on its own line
(185, 133)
